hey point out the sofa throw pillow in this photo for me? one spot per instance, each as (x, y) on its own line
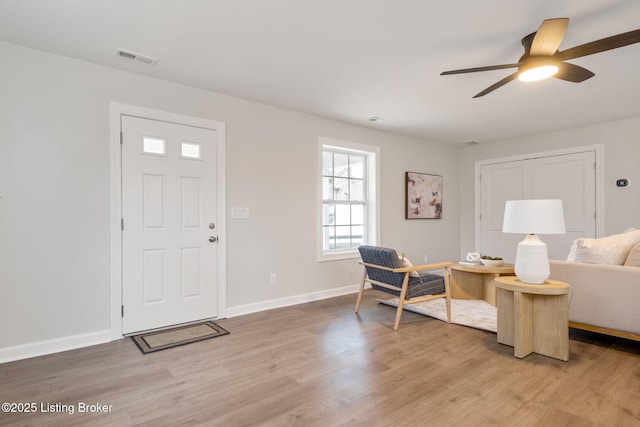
(633, 259)
(612, 249)
(406, 263)
(572, 251)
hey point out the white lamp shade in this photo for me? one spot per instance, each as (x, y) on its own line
(533, 217)
(540, 216)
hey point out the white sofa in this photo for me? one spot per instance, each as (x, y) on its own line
(604, 298)
(604, 275)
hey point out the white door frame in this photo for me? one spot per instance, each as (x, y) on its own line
(116, 110)
(599, 166)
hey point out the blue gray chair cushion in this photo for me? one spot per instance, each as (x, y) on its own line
(426, 284)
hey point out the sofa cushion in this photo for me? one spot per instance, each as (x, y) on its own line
(612, 249)
(633, 259)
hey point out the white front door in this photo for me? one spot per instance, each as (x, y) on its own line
(569, 177)
(169, 249)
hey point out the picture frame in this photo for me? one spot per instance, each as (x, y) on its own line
(423, 196)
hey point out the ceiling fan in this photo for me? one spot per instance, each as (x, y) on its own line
(542, 59)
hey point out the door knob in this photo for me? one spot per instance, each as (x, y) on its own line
(213, 239)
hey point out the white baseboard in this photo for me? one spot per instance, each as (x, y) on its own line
(40, 348)
(255, 307)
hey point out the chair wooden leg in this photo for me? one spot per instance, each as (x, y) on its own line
(403, 295)
(447, 291)
(359, 300)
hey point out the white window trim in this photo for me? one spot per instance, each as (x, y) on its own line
(373, 196)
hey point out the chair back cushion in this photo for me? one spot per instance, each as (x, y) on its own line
(385, 257)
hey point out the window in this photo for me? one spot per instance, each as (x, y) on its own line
(348, 196)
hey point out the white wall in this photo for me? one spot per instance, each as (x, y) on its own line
(622, 160)
(54, 184)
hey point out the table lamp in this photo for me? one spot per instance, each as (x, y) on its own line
(533, 217)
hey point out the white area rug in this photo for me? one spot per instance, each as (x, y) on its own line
(468, 312)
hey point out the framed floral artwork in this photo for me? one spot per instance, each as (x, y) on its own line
(423, 196)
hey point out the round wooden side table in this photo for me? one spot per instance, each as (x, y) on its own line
(477, 281)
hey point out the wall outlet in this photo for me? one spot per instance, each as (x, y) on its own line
(273, 279)
(426, 259)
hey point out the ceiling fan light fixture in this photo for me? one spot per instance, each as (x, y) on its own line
(536, 68)
(538, 73)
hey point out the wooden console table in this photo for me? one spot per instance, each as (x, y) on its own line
(476, 281)
(533, 318)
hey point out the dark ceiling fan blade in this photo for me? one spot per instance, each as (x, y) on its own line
(549, 36)
(497, 85)
(476, 69)
(597, 46)
(572, 73)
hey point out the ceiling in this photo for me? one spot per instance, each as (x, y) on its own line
(353, 59)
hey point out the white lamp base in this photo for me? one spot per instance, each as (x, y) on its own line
(532, 260)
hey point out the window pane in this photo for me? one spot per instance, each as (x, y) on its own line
(190, 150)
(341, 189)
(341, 165)
(153, 145)
(357, 166)
(343, 214)
(356, 190)
(329, 215)
(327, 164)
(327, 188)
(343, 237)
(357, 214)
(327, 238)
(357, 235)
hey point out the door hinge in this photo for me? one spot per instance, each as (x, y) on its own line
(480, 217)
(121, 224)
(122, 310)
(121, 137)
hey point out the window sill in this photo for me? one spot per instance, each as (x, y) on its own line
(339, 256)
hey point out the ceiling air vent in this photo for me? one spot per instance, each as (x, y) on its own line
(138, 57)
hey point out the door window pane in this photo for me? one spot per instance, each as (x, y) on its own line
(191, 150)
(152, 145)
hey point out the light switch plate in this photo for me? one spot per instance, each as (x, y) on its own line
(240, 213)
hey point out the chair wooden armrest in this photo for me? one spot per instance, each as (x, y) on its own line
(434, 266)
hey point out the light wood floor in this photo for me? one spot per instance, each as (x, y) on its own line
(319, 364)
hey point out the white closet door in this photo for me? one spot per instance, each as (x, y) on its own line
(569, 177)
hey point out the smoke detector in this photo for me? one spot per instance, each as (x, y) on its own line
(137, 57)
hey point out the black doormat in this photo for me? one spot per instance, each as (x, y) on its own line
(168, 338)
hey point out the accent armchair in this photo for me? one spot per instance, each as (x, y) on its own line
(386, 272)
